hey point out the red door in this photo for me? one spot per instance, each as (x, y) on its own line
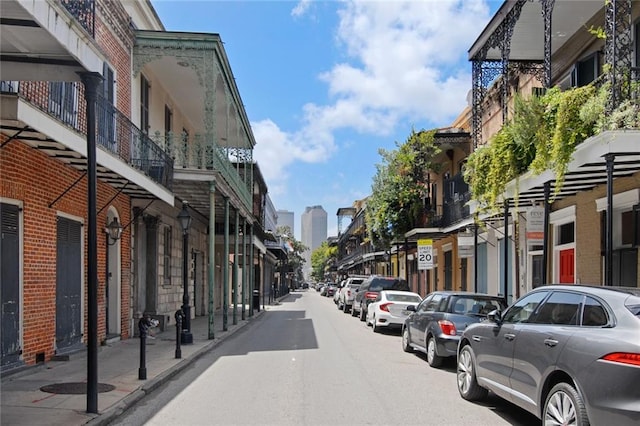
(567, 272)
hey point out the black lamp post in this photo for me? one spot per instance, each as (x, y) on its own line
(185, 222)
(387, 261)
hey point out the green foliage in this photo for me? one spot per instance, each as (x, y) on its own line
(321, 259)
(295, 261)
(543, 135)
(395, 205)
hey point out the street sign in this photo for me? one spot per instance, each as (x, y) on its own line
(535, 225)
(425, 254)
(465, 244)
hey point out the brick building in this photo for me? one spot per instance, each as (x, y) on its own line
(154, 150)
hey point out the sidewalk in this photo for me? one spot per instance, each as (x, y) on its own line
(23, 403)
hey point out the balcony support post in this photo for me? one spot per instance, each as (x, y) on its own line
(545, 236)
(506, 250)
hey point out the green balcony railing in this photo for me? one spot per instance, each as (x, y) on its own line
(200, 152)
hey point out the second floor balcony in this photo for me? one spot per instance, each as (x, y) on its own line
(115, 133)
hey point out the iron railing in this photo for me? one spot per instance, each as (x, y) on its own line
(84, 11)
(455, 201)
(114, 131)
(200, 152)
(119, 135)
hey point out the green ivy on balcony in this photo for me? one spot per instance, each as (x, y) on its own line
(543, 134)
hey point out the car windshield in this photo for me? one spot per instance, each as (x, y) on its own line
(410, 298)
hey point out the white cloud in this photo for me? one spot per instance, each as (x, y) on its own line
(404, 60)
(301, 8)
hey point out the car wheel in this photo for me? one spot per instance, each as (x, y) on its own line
(468, 386)
(346, 309)
(564, 406)
(432, 357)
(353, 311)
(363, 314)
(406, 339)
(373, 325)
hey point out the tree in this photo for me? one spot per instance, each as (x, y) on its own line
(399, 187)
(321, 258)
(295, 249)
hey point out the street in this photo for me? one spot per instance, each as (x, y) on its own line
(307, 363)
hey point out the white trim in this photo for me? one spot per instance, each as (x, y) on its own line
(622, 201)
(447, 247)
(557, 219)
(562, 216)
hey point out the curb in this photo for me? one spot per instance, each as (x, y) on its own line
(147, 388)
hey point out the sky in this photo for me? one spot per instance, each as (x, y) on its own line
(326, 84)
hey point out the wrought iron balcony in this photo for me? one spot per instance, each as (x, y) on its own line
(115, 132)
(456, 197)
(432, 217)
(84, 11)
(200, 152)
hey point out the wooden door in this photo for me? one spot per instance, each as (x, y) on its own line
(567, 269)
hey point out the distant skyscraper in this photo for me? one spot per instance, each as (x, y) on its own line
(313, 233)
(285, 218)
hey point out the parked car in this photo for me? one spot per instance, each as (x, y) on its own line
(435, 326)
(369, 290)
(348, 293)
(567, 354)
(389, 309)
(331, 289)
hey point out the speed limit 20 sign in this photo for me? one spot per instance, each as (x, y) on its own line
(425, 254)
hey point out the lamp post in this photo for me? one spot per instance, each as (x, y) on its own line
(387, 261)
(185, 222)
(114, 232)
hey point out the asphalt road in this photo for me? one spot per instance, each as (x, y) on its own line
(307, 363)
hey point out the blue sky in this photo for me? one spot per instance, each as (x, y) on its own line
(327, 83)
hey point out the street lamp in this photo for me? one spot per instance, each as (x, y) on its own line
(387, 260)
(185, 222)
(114, 231)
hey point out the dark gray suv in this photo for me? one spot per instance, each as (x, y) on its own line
(369, 290)
(569, 354)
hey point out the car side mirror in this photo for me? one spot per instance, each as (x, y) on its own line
(411, 308)
(495, 316)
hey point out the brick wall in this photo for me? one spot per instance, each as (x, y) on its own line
(32, 177)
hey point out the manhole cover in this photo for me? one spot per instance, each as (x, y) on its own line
(74, 388)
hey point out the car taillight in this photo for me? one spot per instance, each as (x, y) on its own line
(623, 358)
(348, 293)
(447, 327)
(370, 295)
(385, 307)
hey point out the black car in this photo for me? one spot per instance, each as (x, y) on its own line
(369, 290)
(436, 324)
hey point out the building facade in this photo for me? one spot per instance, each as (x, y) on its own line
(98, 138)
(313, 232)
(286, 218)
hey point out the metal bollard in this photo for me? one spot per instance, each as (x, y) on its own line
(178, 317)
(143, 327)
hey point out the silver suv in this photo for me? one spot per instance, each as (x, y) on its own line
(348, 293)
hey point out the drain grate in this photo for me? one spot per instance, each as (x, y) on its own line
(74, 388)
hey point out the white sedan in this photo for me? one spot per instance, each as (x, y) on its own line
(389, 309)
